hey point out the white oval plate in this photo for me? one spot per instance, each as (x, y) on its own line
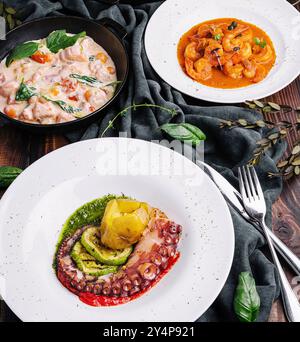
(175, 17)
(34, 208)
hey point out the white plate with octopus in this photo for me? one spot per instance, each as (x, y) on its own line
(35, 207)
(253, 56)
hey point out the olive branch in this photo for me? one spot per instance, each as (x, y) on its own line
(281, 130)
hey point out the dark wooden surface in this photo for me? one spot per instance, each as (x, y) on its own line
(21, 149)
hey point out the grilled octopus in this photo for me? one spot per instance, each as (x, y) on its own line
(150, 258)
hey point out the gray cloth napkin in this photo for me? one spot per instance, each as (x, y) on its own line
(224, 149)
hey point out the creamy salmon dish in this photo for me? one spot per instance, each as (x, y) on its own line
(57, 79)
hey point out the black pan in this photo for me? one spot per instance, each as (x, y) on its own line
(106, 32)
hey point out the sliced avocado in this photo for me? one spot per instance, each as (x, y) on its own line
(91, 241)
(88, 264)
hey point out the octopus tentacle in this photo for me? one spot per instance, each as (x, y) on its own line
(149, 258)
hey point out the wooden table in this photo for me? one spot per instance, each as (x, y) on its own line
(21, 149)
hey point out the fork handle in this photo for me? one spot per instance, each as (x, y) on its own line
(289, 298)
(286, 253)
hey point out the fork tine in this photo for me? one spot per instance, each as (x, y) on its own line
(246, 182)
(242, 186)
(257, 184)
(252, 187)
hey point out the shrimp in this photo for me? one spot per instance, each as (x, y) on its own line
(213, 52)
(233, 71)
(260, 74)
(204, 31)
(246, 36)
(250, 68)
(245, 52)
(264, 56)
(231, 41)
(211, 30)
(201, 70)
(191, 51)
(254, 71)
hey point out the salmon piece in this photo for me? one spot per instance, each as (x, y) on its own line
(97, 98)
(73, 53)
(9, 89)
(45, 111)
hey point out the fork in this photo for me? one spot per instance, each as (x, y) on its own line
(255, 205)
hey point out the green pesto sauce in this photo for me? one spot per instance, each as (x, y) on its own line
(90, 213)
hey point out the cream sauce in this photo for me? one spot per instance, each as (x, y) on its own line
(53, 80)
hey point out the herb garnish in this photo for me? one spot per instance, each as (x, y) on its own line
(8, 174)
(217, 36)
(89, 80)
(261, 43)
(93, 81)
(246, 299)
(184, 132)
(21, 51)
(58, 40)
(63, 105)
(25, 92)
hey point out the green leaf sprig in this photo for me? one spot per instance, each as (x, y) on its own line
(25, 92)
(21, 51)
(93, 81)
(8, 174)
(282, 130)
(124, 111)
(59, 39)
(246, 299)
(261, 43)
(63, 105)
(184, 132)
(290, 166)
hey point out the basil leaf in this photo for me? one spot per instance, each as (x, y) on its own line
(89, 80)
(93, 81)
(21, 51)
(64, 106)
(246, 300)
(25, 92)
(184, 132)
(7, 175)
(58, 40)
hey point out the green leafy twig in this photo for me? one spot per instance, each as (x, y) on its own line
(269, 107)
(291, 166)
(265, 144)
(124, 111)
